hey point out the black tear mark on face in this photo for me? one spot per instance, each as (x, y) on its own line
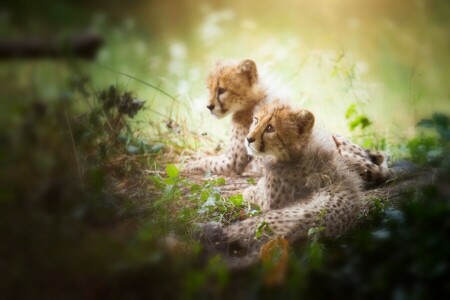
(262, 146)
(220, 91)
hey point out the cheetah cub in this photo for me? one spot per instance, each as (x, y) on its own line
(370, 165)
(236, 88)
(306, 183)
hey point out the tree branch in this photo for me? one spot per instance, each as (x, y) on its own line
(83, 45)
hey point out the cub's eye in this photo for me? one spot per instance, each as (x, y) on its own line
(220, 91)
(255, 120)
(270, 128)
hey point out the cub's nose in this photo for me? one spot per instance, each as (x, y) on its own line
(250, 140)
(211, 107)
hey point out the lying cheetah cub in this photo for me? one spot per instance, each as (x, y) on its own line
(236, 88)
(306, 182)
(371, 165)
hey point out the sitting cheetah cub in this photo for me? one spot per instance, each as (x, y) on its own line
(306, 183)
(236, 88)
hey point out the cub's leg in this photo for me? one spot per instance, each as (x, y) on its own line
(255, 194)
(334, 210)
(233, 161)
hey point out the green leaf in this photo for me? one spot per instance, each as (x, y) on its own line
(157, 181)
(312, 231)
(211, 201)
(132, 149)
(259, 231)
(204, 196)
(351, 110)
(316, 254)
(236, 200)
(195, 188)
(217, 196)
(172, 171)
(362, 121)
(251, 180)
(170, 192)
(220, 181)
(441, 120)
(263, 227)
(445, 135)
(170, 180)
(426, 123)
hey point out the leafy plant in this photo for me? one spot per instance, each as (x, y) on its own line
(200, 202)
(431, 148)
(356, 119)
(263, 228)
(105, 129)
(439, 122)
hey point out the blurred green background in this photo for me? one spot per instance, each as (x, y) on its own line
(86, 204)
(389, 58)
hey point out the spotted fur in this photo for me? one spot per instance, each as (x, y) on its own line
(236, 88)
(306, 183)
(370, 165)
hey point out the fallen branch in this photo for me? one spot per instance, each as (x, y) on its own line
(83, 45)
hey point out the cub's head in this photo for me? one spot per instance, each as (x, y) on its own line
(231, 87)
(278, 131)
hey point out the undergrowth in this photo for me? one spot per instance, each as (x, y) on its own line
(92, 206)
(199, 202)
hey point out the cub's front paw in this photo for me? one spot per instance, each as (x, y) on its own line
(213, 236)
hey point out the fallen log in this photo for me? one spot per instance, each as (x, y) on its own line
(407, 180)
(83, 45)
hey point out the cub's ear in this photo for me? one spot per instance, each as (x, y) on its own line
(248, 67)
(305, 121)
